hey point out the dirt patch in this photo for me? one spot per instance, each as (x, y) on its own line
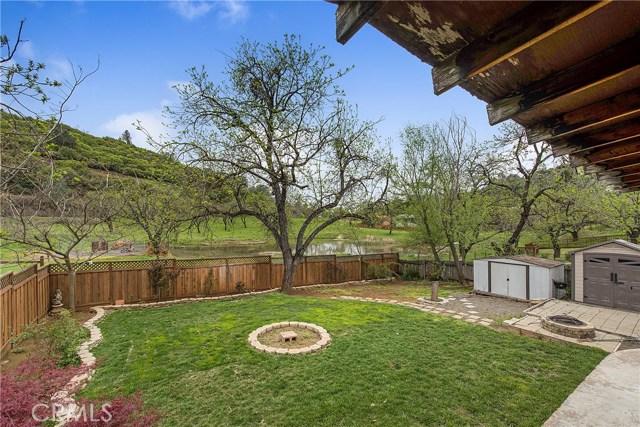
(397, 290)
(486, 306)
(32, 347)
(305, 337)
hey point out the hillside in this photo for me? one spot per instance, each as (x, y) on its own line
(81, 156)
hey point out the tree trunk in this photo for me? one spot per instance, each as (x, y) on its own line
(435, 287)
(574, 235)
(290, 267)
(511, 245)
(459, 264)
(633, 236)
(71, 281)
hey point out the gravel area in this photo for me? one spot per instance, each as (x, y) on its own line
(486, 306)
(629, 344)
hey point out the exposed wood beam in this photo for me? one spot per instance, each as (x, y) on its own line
(630, 181)
(616, 152)
(628, 174)
(614, 62)
(563, 148)
(352, 15)
(521, 31)
(623, 164)
(595, 115)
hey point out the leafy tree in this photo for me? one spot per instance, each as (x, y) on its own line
(32, 107)
(280, 121)
(126, 137)
(56, 222)
(516, 173)
(440, 178)
(159, 209)
(623, 212)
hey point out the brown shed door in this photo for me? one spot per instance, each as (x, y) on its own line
(598, 286)
(612, 281)
(627, 283)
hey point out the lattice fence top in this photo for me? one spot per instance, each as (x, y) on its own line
(12, 278)
(210, 262)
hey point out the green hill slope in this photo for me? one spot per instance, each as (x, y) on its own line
(80, 156)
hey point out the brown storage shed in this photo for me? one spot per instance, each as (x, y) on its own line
(607, 274)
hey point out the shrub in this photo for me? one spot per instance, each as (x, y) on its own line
(118, 412)
(33, 382)
(379, 271)
(61, 337)
(411, 274)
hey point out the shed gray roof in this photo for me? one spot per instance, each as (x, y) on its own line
(541, 262)
(617, 241)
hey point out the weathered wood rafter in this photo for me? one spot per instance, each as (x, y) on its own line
(567, 71)
(619, 107)
(527, 27)
(352, 15)
(589, 73)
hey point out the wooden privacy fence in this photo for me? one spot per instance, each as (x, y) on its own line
(24, 298)
(129, 281)
(426, 268)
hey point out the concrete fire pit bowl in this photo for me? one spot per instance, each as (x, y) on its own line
(568, 326)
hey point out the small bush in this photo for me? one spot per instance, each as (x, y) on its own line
(379, 271)
(411, 274)
(61, 337)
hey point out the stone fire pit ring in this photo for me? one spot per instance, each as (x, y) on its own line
(254, 338)
(568, 326)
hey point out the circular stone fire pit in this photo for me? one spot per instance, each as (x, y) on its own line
(568, 326)
(289, 338)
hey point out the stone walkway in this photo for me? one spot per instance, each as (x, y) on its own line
(467, 317)
(608, 397)
(612, 326)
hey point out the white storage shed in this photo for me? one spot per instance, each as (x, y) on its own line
(520, 277)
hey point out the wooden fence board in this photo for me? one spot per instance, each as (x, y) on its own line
(25, 295)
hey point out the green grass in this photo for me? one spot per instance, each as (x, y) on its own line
(387, 366)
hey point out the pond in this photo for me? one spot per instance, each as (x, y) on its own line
(327, 247)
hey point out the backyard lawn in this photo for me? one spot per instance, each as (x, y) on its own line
(387, 366)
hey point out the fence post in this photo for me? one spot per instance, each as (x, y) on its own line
(361, 268)
(227, 274)
(270, 272)
(304, 270)
(112, 293)
(335, 268)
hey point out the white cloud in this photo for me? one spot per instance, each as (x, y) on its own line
(151, 120)
(228, 11)
(190, 10)
(234, 11)
(26, 50)
(59, 69)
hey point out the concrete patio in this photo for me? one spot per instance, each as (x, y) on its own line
(612, 325)
(608, 397)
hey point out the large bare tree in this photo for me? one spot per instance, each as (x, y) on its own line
(279, 121)
(516, 172)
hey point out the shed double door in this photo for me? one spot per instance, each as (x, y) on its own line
(509, 280)
(612, 280)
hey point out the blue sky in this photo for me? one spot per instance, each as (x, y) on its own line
(145, 47)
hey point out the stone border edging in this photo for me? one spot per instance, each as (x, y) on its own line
(65, 396)
(471, 318)
(324, 341)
